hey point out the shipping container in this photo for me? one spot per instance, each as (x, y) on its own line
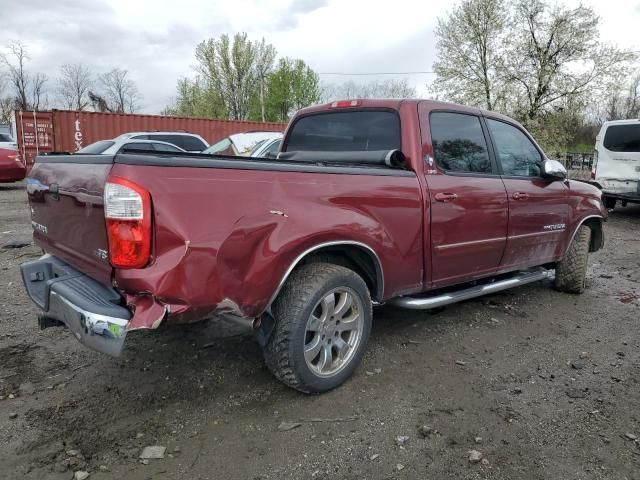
(69, 131)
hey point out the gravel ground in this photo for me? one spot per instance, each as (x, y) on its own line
(541, 385)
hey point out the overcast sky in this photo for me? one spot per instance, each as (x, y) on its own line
(155, 39)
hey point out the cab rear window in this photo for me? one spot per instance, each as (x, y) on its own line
(622, 138)
(345, 131)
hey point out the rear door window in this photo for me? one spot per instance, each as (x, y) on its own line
(165, 147)
(176, 140)
(272, 150)
(143, 146)
(193, 144)
(622, 138)
(352, 131)
(97, 147)
(458, 142)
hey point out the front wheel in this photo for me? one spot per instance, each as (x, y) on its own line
(323, 320)
(571, 271)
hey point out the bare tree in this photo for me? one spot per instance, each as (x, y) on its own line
(632, 102)
(6, 103)
(621, 101)
(28, 90)
(540, 62)
(39, 99)
(120, 92)
(546, 56)
(470, 51)
(6, 110)
(73, 86)
(14, 61)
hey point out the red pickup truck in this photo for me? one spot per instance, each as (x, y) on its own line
(409, 202)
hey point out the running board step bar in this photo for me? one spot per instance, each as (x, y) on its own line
(426, 303)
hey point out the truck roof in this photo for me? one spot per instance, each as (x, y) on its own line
(395, 104)
(630, 121)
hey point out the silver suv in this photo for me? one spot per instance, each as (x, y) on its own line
(190, 142)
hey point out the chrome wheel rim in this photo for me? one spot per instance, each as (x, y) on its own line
(333, 332)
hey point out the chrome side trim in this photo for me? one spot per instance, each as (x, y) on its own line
(470, 243)
(379, 270)
(426, 303)
(578, 227)
(536, 234)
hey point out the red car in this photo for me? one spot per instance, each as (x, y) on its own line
(11, 167)
(409, 202)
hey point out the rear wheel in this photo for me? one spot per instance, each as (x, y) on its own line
(323, 320)
(571, 271)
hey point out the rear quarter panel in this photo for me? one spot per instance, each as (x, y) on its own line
(225, 238)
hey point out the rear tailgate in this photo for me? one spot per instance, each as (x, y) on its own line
(67, 210)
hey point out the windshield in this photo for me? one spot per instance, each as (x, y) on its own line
(5, 138)
(257, 147)
(98, 147)
(346, 131)
(222, 147)
(622, 138)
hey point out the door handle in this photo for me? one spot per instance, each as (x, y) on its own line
(445, 197)
(520, 196)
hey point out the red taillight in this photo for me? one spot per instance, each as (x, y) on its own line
(127, 210)
(345, 103)
(14, 155)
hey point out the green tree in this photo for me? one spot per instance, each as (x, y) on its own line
(229, 68)
(195, 99)
(292, 85)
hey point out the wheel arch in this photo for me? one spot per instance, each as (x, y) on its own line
(594, 222)
(353, 254)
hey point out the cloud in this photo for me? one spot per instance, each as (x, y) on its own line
(289, 17)
(307, 6)
(95, 34)
(155, 39)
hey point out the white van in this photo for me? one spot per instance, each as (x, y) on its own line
(616, 166)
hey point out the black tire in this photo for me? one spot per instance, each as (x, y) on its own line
(284, 351)
(609, 203)
(572, 269)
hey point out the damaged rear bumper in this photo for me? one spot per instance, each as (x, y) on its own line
(93, 312)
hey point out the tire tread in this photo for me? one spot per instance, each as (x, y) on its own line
(571, 270)
(287, 309)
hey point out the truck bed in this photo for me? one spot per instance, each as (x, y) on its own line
(226, 230)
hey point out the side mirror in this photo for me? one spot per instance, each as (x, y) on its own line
(553, 170)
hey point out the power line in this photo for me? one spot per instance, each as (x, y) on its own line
(374, 73)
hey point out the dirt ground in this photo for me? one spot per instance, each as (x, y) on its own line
(544, 385)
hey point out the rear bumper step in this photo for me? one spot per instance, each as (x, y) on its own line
(89, 309)
(426, 303)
